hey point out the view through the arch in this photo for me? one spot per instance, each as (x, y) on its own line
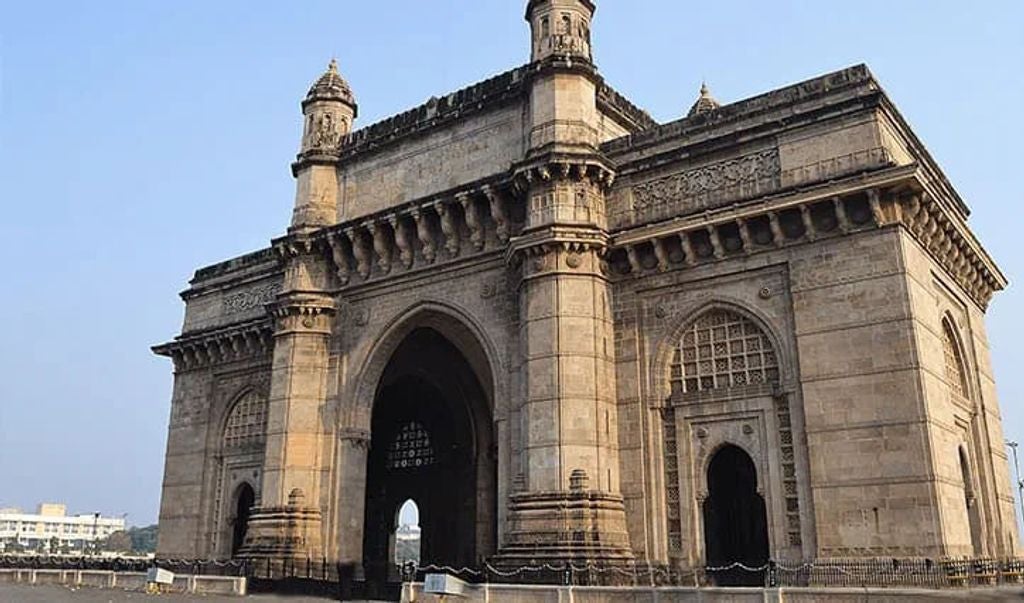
(407, 535)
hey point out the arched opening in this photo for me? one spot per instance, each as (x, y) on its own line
(431, 443)
(244, 501)
(407, 534)
(970, 502)
(735, 521)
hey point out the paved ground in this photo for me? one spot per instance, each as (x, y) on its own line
(18, 593)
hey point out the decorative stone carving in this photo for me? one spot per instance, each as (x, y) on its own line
(476, 231)
(573, 259)
(381, 245)
(426, 237)
(340, 257)
(693, 190)
(497, 205)
(361, 253)
(490, 289)
(448, 228)
(248, 299)
(405, 251)
(327, 134)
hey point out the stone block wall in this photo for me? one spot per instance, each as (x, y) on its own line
(961, 417)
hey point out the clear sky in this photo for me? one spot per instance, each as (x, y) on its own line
(140, 140)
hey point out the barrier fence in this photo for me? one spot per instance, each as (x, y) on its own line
(320, 576)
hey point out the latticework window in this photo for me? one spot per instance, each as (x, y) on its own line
(956, 376)
(723, 349)
(247, 424)
(411, 448)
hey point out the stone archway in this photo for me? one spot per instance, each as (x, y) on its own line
(245, 498)
(432, 442)
(735, 521)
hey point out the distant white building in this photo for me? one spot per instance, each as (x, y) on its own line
(407, 544)
(51, 529)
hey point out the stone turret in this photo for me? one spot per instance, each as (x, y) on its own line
(328, 110)
(560, 27)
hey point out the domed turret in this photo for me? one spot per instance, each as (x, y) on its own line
(560, 27)
(705, 102)
(329, 108)
(331, 87)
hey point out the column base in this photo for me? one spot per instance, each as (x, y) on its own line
(283, 533)
(578, 526)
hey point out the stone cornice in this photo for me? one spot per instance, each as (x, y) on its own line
(570, 237)
(437, 112)
(622, 110)
(234, 265)
(202, 349)
(811, 95)
(591, 166)
(948, 241)
(897, 196)
(781, 200)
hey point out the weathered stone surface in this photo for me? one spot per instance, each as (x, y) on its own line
(627, 301)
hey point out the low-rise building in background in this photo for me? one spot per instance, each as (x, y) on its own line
(51, 530)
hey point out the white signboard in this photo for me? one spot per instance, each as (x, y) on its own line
(443, 584)
(159, 576)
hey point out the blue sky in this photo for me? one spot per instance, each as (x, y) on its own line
(140, 140)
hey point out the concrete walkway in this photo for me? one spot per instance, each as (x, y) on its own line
(22, 593)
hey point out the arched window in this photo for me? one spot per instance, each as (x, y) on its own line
(411, 448)
(956, 375)
(723, 349)
(247, 423)
(407, 534)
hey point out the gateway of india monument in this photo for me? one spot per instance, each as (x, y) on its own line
(571, 333)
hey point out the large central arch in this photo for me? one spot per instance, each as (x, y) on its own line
(432, 441)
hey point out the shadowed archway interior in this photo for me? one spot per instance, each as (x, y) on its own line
(431, 442)
(244, 500)
(735, 521)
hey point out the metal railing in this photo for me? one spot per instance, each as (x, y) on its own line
(323, 577)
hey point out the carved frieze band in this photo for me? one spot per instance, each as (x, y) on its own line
(248, 299)
(696, 189)
(240, 342)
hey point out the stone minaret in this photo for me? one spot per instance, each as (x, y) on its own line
(568, 506)
(328, 110)
(288, 522)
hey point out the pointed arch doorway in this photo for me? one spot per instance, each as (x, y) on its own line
(735, 521)
(245, 498)
(431, 442)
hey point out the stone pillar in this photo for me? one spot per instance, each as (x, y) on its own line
(288, 520)
(353, 450)
(570, 507)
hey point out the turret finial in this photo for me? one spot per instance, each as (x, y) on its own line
(705, 102)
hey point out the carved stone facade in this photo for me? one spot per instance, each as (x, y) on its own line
(572, 318)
